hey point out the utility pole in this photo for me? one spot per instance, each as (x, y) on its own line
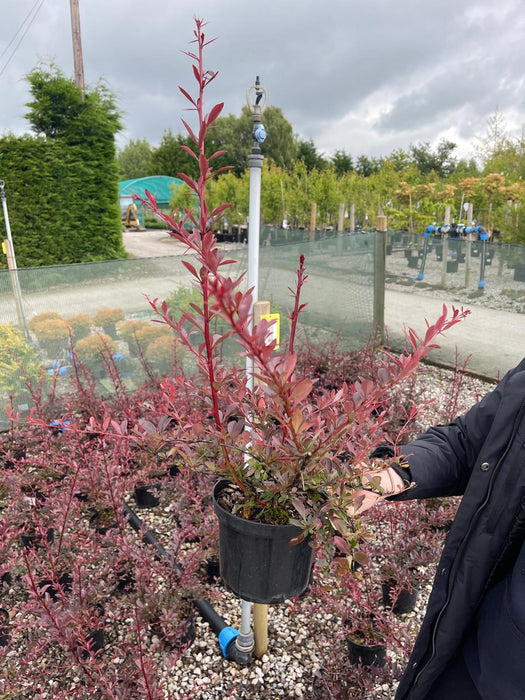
(77, 45)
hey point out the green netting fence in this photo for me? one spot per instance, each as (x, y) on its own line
(339, 293)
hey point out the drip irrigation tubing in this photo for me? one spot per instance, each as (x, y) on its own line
(226, 634)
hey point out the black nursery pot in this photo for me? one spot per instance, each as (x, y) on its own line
(257, 561)
(366, 654)
(183, 641)
(405, 601)
(147, 495)
(5, 634)
(96, 639)
(33, 539)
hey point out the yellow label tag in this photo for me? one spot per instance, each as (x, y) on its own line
(4, 251)
(274, 330)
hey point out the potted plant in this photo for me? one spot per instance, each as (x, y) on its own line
(80, 326)
(399, 587)
(365, 639)
(52, 335)
(129, 330)
(107, 319)
(16, 352)
(289, 460)
(161, 353)
(92, 350)
(44, 316)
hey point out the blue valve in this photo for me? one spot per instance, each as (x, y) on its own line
(259, 133)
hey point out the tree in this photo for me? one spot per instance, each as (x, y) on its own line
(366, 166)
(342, 162)
(66, 173)
(61, 111)
(440, 162)
(170, 159)
(134, 159)
(400, 159)
(228, 188)
(501, 153)
(307, 152)
(496, 138)
(273, 202)
(235, 136)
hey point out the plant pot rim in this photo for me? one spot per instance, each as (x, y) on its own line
(288, 531)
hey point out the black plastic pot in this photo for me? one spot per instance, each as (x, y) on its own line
(33, 539)
(318, 684)
(213, 572)
(257, 561)
(96, 640)
(5, 580)
(184, 639)
(405, 601)
(125, 580)
(65, 581)
(5, 635)
(102, 522)
(366, 654)
(147, 495)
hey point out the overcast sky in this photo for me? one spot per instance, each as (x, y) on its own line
(364, 76)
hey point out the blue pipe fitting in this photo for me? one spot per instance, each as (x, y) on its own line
(259, 133)
(226, 637)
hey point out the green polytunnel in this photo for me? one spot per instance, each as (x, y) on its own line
(161, 186)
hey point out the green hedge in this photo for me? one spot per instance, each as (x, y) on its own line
(63, 205)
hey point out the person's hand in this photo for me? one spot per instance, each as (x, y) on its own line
(376, 485)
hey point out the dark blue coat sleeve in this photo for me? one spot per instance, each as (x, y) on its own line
(441, 460)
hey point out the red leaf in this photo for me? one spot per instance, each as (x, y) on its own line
(189, 151)
(187, 96)
(191, 183)
(190, 267)
(214, 113)
(301, 390)
(218, 210)
(217, 154)
(190, 132)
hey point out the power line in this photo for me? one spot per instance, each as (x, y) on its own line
(33, 12)
(18, 30)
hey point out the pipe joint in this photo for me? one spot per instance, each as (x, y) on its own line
(226, 636)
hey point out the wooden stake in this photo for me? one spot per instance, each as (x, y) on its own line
(313, 221)
(260, 629)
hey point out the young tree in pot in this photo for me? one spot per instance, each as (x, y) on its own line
(286, 457)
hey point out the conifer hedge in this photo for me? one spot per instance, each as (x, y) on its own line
(61, 184)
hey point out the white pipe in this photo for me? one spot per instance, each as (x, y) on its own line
(12, 264)
(255, 162)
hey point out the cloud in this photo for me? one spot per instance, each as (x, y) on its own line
(363, 77)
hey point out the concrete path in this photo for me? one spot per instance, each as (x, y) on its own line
(494, 340)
